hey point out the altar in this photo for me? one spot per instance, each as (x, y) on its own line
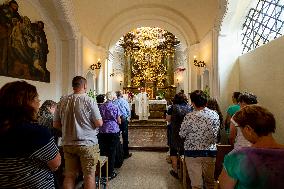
(157, 109)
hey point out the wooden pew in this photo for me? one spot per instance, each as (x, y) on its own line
(222, 150)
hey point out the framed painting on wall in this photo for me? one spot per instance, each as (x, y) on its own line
(23, 45)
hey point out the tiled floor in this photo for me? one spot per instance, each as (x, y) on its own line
(145, 170)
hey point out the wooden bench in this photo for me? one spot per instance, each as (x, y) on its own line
(183, 174)
(222, 150)
(103, 160)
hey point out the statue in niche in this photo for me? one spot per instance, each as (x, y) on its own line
(23, 45)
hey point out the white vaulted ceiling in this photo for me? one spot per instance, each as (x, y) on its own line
(103, 22)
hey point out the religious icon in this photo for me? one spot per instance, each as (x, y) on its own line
(23, 45)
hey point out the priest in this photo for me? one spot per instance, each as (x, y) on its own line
(142, 105)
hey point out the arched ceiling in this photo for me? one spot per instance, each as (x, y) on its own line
(104, 21)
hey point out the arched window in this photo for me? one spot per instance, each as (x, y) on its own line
(263, 23)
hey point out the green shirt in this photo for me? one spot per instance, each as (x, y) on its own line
(233, 109)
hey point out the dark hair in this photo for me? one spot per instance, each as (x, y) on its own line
(118, 93)
(13, 2)
(15, 108)
(236, 95)
(100, 98)
(47, 104)
(248, 98)
(258, 118)
(78, 81)
(212, 104)
(180, 98)
(199, 98)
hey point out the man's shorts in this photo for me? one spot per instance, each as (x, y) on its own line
(81, 157)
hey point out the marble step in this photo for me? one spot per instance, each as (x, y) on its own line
(148, 138)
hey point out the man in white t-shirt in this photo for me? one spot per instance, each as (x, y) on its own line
(78, 116)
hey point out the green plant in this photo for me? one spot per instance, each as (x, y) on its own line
(207, 91)
(92, 93)
(161, 95)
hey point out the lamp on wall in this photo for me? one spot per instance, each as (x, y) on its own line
(96, 66)
(198, 63)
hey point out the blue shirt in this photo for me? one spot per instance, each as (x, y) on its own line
(123, 106)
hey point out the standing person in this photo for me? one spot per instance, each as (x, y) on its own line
(100, 99)
(212, 104)
(45, 118)
(200, 130)
(260, 165)
(236, 137)
(124, 109)
(232, 110)
(28, 153)
(78, 116)
(142, 105)
(176, 114)
(109, 132)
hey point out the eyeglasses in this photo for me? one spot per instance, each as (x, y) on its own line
(234, 122)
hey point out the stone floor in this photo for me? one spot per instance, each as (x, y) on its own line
(149, 135)
(145, 170)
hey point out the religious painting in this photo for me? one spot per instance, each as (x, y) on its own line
(23, 45)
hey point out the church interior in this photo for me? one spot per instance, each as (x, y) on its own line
(162, 47)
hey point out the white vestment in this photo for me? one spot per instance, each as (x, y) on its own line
(142, 106)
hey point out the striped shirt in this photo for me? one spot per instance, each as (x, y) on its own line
(24, 153)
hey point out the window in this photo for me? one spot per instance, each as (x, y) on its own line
(263, 23)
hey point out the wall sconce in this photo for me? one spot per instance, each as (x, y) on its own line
(96, 66)
(198, 64)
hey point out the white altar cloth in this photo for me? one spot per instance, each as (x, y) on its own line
(157, 102)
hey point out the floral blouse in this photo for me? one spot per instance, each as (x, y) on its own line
(200, 129)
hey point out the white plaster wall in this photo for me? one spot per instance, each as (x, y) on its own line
(192, 71)
(262, 72)
(45, 90)
(206, 54)
(90, 55)
(229, 50)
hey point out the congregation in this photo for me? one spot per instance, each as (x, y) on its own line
(86, 129)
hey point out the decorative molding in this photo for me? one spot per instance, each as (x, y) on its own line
(181, 57)
(66, 10)
(223, 10)
(118, 63)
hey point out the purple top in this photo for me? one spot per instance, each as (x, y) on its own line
(109, 112)
(253, 168)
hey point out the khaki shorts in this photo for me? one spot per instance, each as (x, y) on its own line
(201, 171)
(81, 157)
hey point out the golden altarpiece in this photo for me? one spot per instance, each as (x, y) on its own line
(149, 58)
